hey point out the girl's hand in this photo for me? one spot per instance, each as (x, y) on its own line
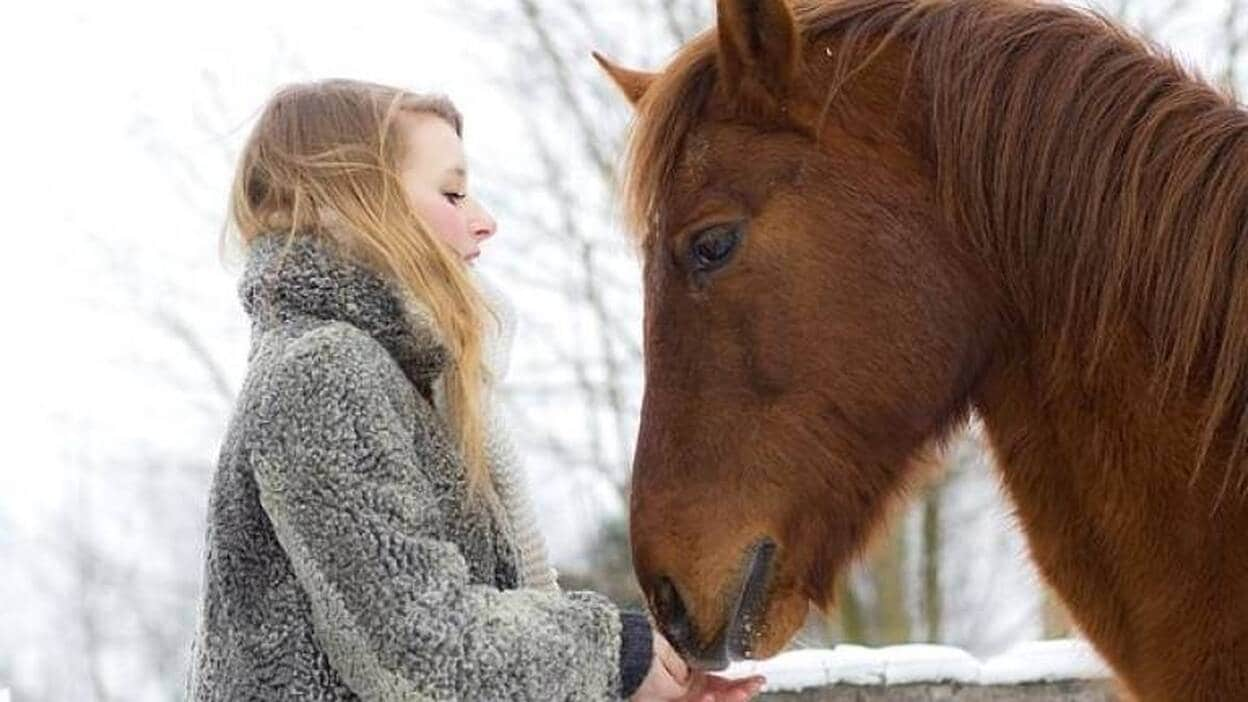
(712, 688)
(668, 679)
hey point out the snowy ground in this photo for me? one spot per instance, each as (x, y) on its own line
(1032, 662)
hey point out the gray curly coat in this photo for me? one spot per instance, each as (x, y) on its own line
(344, 559)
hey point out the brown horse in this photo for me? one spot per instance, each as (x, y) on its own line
(863, 220)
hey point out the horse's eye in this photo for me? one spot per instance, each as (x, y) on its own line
(713, 247)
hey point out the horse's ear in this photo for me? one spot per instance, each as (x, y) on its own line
(758, 42)
(633, 84)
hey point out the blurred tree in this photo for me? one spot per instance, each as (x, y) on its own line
(609, 567)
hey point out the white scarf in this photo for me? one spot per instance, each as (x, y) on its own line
(506, 468)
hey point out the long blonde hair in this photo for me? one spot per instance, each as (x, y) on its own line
(324, 160)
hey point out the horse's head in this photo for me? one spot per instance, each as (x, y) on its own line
(807, 324)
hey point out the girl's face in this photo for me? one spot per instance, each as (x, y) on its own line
(435, 179)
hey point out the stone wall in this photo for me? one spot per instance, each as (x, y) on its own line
(1065, 691)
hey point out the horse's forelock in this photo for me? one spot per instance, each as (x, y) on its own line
(665, 117)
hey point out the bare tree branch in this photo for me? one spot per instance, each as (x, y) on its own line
(180, 330)
(590, 138)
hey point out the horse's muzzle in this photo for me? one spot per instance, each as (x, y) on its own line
(735, 639)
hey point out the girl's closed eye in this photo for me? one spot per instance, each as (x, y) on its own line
(455, 198)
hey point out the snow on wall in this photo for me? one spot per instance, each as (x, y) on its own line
(1031, 662)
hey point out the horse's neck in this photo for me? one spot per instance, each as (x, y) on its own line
(1104, 490)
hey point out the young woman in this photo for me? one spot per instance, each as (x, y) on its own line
(367, 536)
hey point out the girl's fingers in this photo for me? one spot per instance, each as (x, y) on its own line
(678, 669)
(672, 689)
(719, 689)
(751, 688)
(673, 662)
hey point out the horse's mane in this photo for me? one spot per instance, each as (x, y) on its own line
(1099, 180)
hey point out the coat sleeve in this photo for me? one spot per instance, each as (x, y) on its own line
(391, 599)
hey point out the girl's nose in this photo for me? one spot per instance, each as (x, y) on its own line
(483, 225)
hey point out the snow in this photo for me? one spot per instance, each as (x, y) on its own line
(1044, 661)
(4, 696)
(1032, 662)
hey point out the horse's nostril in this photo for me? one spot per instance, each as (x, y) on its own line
(672, 616)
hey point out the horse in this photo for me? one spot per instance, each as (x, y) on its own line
(863, 223)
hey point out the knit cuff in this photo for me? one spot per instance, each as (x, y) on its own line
(636, 650)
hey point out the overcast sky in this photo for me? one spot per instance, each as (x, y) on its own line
(116, 119)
